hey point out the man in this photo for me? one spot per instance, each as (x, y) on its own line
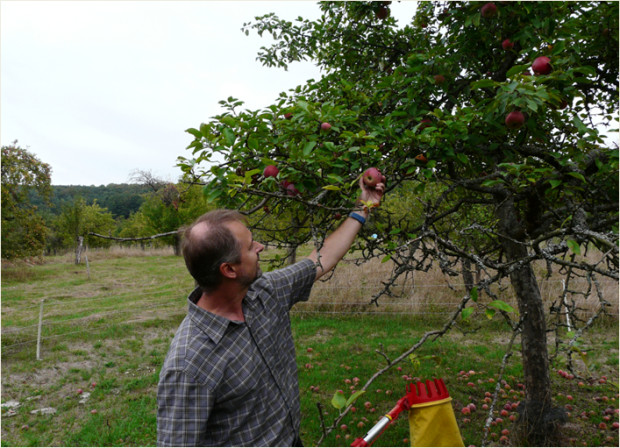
(230, 376)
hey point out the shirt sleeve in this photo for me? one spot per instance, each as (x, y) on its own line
(184, 407)
(293, 283)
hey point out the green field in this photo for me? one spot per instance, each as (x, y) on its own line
(106, 332)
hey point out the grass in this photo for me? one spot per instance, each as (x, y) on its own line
(108, 335)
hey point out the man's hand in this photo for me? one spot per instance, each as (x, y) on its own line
(371, 196)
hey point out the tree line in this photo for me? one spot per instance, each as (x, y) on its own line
(41, 219)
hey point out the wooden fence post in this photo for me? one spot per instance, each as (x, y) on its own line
(39, 331)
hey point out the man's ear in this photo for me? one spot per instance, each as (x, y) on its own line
(228, 270)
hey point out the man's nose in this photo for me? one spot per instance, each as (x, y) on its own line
(260, 247)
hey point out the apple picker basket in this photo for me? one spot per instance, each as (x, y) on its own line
(431, 417)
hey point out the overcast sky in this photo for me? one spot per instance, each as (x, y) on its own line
(99, 89)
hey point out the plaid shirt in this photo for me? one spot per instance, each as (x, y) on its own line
(227, 383)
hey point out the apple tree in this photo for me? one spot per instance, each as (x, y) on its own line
(496, 117)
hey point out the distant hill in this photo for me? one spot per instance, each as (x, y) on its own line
(120, 199)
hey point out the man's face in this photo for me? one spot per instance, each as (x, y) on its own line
(248, 268)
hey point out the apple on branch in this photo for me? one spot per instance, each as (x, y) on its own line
(421, 158)
(515, 119)
(383, 12)
(507, 44)
(271, 171)
(489, 10)
(326, 126)
(542, 65)
(291, 190)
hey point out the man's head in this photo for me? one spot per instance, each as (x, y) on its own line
(213, 239)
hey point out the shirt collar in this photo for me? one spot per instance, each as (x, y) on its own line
(212, 325)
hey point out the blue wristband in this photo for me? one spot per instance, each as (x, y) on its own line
(357, 217)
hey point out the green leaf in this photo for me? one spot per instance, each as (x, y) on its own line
(516, 69)
(574, 246)
(577, 176)
(303, 105)
(502, 306)
(355, 396)
(338, 400)
(195, 132)
(586, 70)
(415, 361)
(483, 83)
(334, 178)
(467, 312)
(308, 147)
(253, 142)
(386, 258)
(489, 313)
(229, 135)
(555, 183)
(473, 294)
(581, 127)
(559, 48)
(331, 188)
(228, 121)
(212, 194)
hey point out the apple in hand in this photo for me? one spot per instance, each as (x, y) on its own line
(542, 65)
(271, 171)
(515, 119)
(372, 176)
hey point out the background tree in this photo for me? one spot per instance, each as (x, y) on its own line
(78, 219)
(23, 230)
(491, 112)
(165, 209)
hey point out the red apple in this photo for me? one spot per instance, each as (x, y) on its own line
(542, 65)
(326, 126)
(291, 190)
(515, 119)
(507, 44)
(271, 171)
(425, 123)
(372, 176)
(288, 116)
(383, 12)
(439, 79)
(421, 158)
(489, 10)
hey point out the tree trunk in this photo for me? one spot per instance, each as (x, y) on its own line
(468, 276)
(176, 244)
(291, 258)
(539, 421)
(78, 249)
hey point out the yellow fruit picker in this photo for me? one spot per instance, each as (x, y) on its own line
(431, 417)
